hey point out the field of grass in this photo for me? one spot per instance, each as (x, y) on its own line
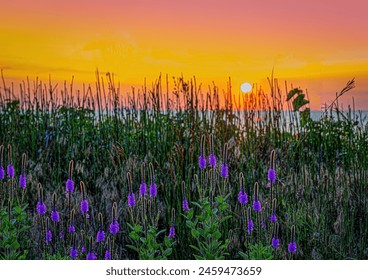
(90, 174)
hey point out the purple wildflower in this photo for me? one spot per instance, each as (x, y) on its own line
(41, 208)
(275, 242)
(263, 224)
(83, 249)
(153, 190)
(172, 232)
(55, 216)
(48, 236)
(212, 160)
(91, 256)
(224, 170)
(114, 227)
(268, 185)
(242, 197)
(10, 171)
(273, 218)
(202, 162)
(61, 235)
(131, 200)
(107, 255)
(143, 189)
(100, 236)
(2, 173)
(70, 186)
(292, 247)
(71, 229)
(22, 181)
(185, 205)
(250, 226)
(257, 206)
(84, 206)
(271, 175)
(73, 252)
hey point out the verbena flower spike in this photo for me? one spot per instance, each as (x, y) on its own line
(114, 226)
(70, 183)
(224, 166)
(2, 171)
(54, 214)
(212, 158)
(242, 195)
(153, 186)
(202, 158)
(40, 207)
(131, 197)
(100, 234)
(271, 176)
(84, 203)
(143, 185)
(292, 245)
(10, 168)
(256, 203)
(22, 177)
(185, 203)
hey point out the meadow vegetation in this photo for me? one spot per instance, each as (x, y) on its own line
(175, 171)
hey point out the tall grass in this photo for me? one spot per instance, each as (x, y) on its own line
(322, 167)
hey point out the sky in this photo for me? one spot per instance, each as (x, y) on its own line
(315, 45)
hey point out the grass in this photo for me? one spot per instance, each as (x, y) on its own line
(321, 167)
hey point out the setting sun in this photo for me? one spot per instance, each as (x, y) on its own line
(246, 87)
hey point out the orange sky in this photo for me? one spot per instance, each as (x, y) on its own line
(318, 45)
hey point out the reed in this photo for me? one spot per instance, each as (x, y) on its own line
(275, 171)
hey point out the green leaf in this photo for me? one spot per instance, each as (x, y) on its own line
(195, 248)
(299, 102)
(137, 228)
(292, 93)
(198, 205)
(168, 251)
(167, 242)
(305, 116)
(190, 224)
(195, 233)
(133, 248)
(202, 232)
(243, 255)
(217, 235)
(160, 232)
(133, 235)
(219, 199)
(15, 245)
(223, 207)
(225, 218)
(190, 214)
(197, 257)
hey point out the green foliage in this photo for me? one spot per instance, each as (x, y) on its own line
(298, 102)
(258, 251)
(205, 228)
(56, 256)
(148, 245)
(13, 230)
(321, 169)
(292, 93)
(305, 117)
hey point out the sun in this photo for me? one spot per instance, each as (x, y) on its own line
(246, 87)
